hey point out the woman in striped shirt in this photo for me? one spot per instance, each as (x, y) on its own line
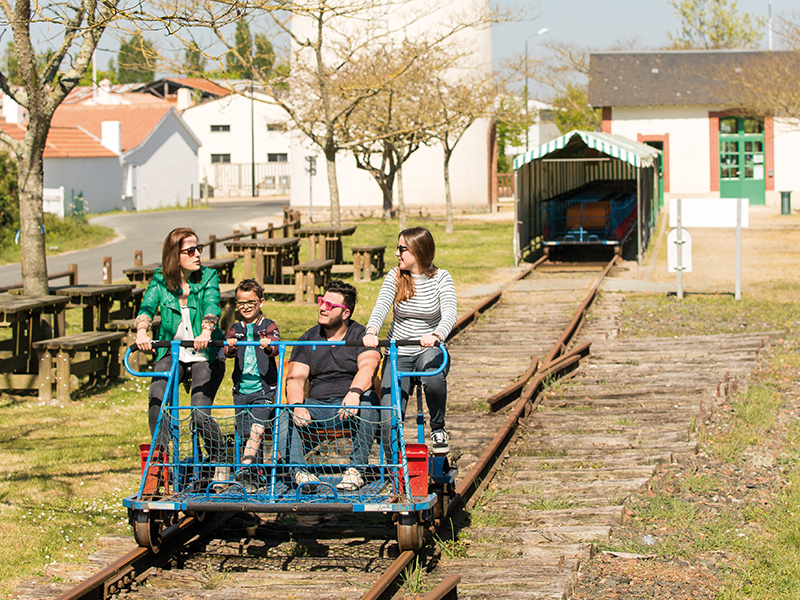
(423, 299)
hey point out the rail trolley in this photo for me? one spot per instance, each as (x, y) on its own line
(178, 467)
(599, 213)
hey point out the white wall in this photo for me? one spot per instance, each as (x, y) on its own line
(787, 158)
(100, 179)
(423, 179)
(165, 166)
(235, 111)
(689, 154)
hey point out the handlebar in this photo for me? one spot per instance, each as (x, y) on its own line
(220, 343)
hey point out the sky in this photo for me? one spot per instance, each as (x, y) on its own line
(595, 23)
(599, 23)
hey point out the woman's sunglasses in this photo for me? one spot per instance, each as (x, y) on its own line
(193, 250)
(327, 305)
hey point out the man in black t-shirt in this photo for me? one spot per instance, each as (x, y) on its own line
(340, 378)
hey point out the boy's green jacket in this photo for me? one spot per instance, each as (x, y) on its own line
(203, 300)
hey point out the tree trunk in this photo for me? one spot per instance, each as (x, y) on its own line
(447, 197)
(401, 203)
(333, 187)
(31, 216)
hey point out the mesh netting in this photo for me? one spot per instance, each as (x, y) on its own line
(234, 452)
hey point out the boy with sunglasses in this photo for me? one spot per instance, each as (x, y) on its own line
(255, 374)
(340, 378)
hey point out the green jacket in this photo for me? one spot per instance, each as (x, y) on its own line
(203, 300)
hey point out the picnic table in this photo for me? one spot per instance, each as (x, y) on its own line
(271, 258)
(23, 315)
(325, 243)
(96, 301)
(144, 273)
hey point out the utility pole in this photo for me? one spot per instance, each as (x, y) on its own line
(542, 31)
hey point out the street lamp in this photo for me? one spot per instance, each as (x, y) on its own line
(542, 31)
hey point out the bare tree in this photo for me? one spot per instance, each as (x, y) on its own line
(388, 127)
(44, 85)
(456, 104)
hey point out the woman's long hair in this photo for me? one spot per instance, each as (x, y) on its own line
(171, 254)
(420, 243)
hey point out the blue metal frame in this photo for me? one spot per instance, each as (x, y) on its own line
(378, 496)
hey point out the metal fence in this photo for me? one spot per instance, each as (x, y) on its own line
(235, 179)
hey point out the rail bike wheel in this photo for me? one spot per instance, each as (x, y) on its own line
(443, 495)
(147, 530)
(197, 515)
(409, 532)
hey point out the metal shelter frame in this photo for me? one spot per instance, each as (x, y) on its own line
(570, 162)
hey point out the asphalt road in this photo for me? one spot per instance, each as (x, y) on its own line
(146, 232)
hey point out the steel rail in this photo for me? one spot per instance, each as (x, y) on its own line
(133, 565)
(561, 361)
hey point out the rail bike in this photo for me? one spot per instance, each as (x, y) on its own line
(191, 447)
(600, 213)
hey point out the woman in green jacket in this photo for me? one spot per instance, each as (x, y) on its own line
(187, 295)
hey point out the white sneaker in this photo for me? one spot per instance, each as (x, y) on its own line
(439, 440)
(351, 481)
(221, 474)
(308, 480)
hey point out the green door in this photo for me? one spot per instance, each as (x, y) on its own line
(741, 159)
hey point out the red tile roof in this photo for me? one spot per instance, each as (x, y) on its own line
(201, 84)
(136, 120)
(63, 142)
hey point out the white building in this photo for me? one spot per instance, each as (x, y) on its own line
(679, 102)
(155, 148)
(237, 131)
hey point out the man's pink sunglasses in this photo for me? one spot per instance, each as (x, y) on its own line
(327, 305)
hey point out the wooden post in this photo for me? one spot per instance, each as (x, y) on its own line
(248, 262)
(368, 266)
(45, 376)
(138, 258)
(236, 235)
(107, 278)
(357, 266)
(73, 274)
(212, 243)
(63, 373)
(271, 231)
(254, 232)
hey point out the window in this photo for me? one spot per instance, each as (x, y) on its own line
(220, 158)
(276, 127)
(218, 128)
(277, 158)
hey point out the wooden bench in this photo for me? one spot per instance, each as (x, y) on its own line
(366, 261)
(137, 359)
(309, 275)
(92, 353)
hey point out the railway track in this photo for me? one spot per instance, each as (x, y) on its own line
(524, 532)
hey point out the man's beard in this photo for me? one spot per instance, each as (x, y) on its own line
(334, 322)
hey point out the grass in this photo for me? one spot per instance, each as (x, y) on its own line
(65, 470)
(62, 235)
(414, 580)
(652, 315)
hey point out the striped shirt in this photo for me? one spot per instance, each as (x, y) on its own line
(431, 310)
